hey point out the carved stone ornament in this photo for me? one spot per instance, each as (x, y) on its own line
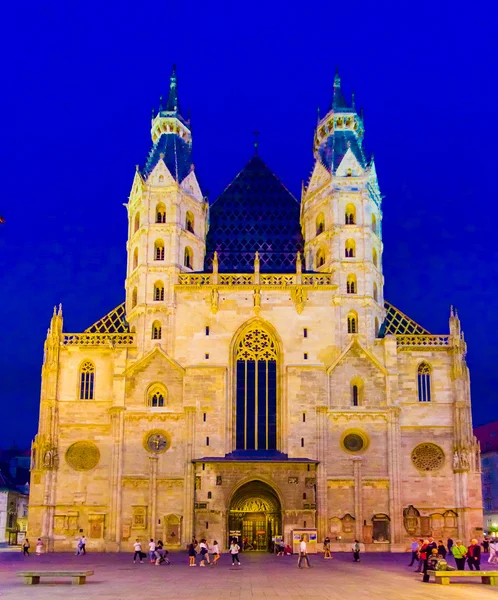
(50, 458)
(428, 457)
(215, 300)
(83, 456)
(157, 441)
(299, 296)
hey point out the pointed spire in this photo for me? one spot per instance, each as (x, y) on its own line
(338, 100)
(172, 105)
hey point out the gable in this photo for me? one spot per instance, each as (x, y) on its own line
(191, 186)
(349, 162)
(160, 175)
(319, 178)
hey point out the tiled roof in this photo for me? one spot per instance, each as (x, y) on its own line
(177, 156)
(256, 212)
(398, 323)
(335, 147)
(113, 322)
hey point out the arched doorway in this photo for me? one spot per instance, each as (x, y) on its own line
(255, 514)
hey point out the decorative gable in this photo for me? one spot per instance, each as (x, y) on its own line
(349, 166)
(191, 186)
(160, 175)
(319, 178)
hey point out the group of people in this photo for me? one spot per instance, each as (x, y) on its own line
(431, 555)
(204, 549)
(355, 549)
(80, 547)
(157, 553)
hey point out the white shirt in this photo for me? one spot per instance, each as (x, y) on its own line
(137, 546)
(215, 549)
(152, 546)
(234, 548)
(302, 546)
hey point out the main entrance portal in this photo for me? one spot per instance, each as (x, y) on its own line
(255, 515)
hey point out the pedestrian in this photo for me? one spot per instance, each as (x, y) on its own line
(83, 544)
(414, 550)
(79, 546)
(137, 547)
(303, 554)
(493, 551)
(356, 550)
(215, 551)
(39, 546)
(234, 551)
(474, 555)
(459, 552)
(326, 548)
(485, 545)
(449, 544)
(152, 551)
(204, 553)
(421, 555)
(191, 554)
(431, 545)
(25, 547)
(441, 549)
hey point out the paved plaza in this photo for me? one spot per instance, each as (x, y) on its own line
(383, 576)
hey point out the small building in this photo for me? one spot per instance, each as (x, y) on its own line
(488, 440)
(14, 495)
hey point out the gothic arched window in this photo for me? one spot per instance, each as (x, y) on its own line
(320, 224)
(375, 292)
(87, 381)
(352, 322)
(374, 223)
(158, 291)
(156, 397)
(189, 222)
(356, 391)
(136, 226)
(135, 258)
(374, 257)
(160, 213)
(351, 284)
(350, 215)
(320, 258)
(158, 250)
(256, 390)
(350, 249)
(134, 297)
(424, 382)
(156, 330)
(188, 259)
(376, 326)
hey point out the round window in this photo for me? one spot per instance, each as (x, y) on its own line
(353, 442)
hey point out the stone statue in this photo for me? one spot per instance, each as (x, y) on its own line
(51, 459)
(464, 459)
(456, 461)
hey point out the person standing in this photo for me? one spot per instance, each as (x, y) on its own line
(79, 545)
(414, 550)
(459, 552)
(485, 545)
(204, 553)
(215, 550)
(326, 548)
(421, 555)
(137, 547)
(191, 554)
(474, 555)
(152, 551)
(441, 549)
(39, 547)
(25, 547)
(303, 554)
(493, 551)
(432, 544)
(449, 544)
(356, 550)
(83, 544)
(234, 551)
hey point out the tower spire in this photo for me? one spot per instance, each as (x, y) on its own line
(172, 105)
(338, 101)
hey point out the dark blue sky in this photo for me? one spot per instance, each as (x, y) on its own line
(78, 85)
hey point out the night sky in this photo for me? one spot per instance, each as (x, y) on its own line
(78, 86)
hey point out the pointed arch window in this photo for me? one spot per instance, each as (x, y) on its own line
(320, 224)
(374, 223)
(356, 391)
(160, 213)
(320, 258)
(136, 225)
(156, 330)
(189, 222)
(351, 286)
(350, 249)
(350, 215)
(159, 291)
(256, 390)
(134, 295)
(352, 322)
(188, 258)
(87, 381)
(376, 327)
(158, 250)
(375, 292)
(156, 398)
(374, 257)
(135, 258)
(424, 382)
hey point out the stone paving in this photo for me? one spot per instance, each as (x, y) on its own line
(377, 576)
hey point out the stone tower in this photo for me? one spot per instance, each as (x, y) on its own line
(167, 224)
(341, 218)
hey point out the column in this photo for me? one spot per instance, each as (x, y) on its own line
(321, 497)
(393, 453)
(189, 478)
(115, 480)
(153, 496)
(358, 500)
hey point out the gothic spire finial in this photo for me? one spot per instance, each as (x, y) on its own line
(172, 105)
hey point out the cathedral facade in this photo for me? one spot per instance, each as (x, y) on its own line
(255, 382)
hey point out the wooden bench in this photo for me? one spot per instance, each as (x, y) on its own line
(443, 577)
(32, 577)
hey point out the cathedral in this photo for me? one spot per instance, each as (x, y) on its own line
(255, 382)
